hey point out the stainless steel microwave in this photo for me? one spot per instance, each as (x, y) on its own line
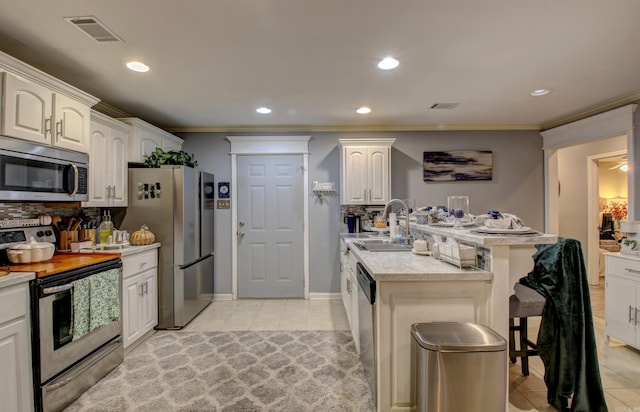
(31, 172)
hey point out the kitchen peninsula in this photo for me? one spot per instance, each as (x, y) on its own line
(413, 288)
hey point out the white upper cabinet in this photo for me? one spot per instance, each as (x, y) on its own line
(144, 138)
(365, 171)
(108, 162)
(37, 107)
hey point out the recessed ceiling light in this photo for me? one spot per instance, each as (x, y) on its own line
(263, 110)
(388, 63)
(363, 110)
(540, 92)
(138, 67)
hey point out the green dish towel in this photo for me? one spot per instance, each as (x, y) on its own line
(96, 302)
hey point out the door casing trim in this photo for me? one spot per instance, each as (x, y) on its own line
(261, 146)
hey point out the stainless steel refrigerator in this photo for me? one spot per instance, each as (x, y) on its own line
(177, 203)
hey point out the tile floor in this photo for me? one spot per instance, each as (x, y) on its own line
(619, 364)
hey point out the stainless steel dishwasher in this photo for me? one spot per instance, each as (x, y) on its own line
(366, 320)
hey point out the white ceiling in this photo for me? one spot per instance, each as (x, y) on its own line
(213, 62)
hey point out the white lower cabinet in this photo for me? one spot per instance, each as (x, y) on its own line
(16, 391)
(622, 299)
(140, 295)
(349, 292)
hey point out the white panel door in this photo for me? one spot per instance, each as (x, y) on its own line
(26, 110)
(132, 293)
(620, 317)
(72, 124)
(149, 305)
(355, 175)
(270, 225)
(378, 174)
(99, 170)
(119, 173)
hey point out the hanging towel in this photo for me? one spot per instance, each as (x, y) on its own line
(566, 340)
(81, 308)
(105, 298)
(96, 302)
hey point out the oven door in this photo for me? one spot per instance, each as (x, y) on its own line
(27, 177)
(59, 345)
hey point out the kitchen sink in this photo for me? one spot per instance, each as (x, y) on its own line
(381, 245)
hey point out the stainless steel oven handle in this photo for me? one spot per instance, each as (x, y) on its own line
(56, 289)
(77, 373)
(76, 177)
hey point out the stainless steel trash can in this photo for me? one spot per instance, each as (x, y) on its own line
(458, 367)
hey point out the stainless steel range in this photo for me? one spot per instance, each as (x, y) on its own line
(76, 320)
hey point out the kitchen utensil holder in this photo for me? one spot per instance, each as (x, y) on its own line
(88, 234)
(67, 236)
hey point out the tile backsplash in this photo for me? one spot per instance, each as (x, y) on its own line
(17, 210)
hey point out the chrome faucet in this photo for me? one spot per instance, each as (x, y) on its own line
(385, 214)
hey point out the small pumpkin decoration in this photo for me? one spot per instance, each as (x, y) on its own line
(142, 237)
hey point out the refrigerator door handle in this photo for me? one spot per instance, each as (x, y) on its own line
(200, 259)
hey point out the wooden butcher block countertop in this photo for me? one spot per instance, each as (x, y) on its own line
(62, 262)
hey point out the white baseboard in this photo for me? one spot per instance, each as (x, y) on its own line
(229, 296)
(222, 296)
(313, 295)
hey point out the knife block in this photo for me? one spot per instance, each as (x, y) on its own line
(65, 237)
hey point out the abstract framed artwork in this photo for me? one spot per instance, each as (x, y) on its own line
(457, 165)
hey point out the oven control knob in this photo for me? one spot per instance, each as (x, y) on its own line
(48, 233)
(39, 233)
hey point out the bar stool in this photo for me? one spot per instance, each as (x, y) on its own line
(525, 302)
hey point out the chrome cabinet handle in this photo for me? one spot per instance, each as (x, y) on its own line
(58, 129)
(348, 286)
(632, 270)
(630, 314)
(370, 196)
(112, 192)
(108, 192)
(146, 287)
(47, 127)
(141, 293)
(636, 316)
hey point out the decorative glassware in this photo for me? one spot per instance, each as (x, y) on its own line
(459, 209)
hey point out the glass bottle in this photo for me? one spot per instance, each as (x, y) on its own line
(105, 228)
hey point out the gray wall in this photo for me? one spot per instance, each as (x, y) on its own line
(517, 186)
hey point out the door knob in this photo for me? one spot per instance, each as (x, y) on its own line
(240, 234)
(241, 224)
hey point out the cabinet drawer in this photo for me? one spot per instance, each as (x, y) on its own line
(617, 265)
(137, 263)
(14, 301)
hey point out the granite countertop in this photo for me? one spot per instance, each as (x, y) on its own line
(468, 235)
(131, 250)
(15, 278)
(407, 266)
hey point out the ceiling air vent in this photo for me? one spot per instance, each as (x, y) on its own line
(94, 28)
(444, 106)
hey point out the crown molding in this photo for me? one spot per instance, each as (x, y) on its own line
(593, 110)
(346, 128)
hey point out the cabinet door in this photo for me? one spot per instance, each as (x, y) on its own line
(354, 176)
(147, 142)
(345, 287)
(132, 291)
(620, 307)
(98, 169)
(26, 110)
(378, 174)
(149, 307)
(118, 161)
(72, 124)
(169, 144)
(15, 375)
(354, 322)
